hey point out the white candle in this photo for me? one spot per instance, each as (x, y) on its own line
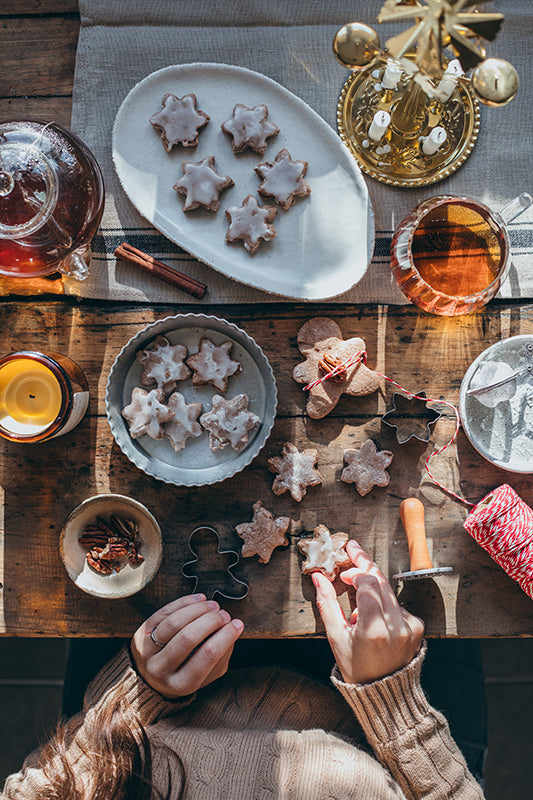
(391, 76)
(448, 82)
(431, 143)
(380, 123)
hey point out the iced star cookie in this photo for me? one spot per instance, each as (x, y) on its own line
(201, 185)
(263, 534)
(229, 422)
(185, 423)
(147, 413)
(250, 127)
(250, 223)
(213, 364)
(366, 467)
(283, 179)
(320, 341)
(296, 471)
(325, 553)
(163, 364)
(178, 121)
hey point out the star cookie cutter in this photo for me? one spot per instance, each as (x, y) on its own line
(412, 409)
(207, 567)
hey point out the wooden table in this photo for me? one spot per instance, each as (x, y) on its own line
(41, 484)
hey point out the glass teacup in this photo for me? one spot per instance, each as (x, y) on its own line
(450, 255)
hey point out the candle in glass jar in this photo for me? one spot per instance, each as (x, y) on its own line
(41, 396)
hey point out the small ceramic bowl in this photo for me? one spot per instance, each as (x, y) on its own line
(128, 580)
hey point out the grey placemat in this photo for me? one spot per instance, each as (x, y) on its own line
(122, 41)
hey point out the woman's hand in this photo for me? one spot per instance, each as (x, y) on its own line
(185, 645)
(380, 637)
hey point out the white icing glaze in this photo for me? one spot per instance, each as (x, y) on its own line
(179, 120)
(250, 128)
(202, 184)
(250, 222)
(184, 424)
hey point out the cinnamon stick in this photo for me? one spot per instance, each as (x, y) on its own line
(149, 264)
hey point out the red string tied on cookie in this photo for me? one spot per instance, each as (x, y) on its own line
(338, 369)
(502, 523)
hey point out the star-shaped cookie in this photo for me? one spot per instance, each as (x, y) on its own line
(325, 553)
(263, 534)
(147, 413)
(184, 423)
(212, 364)
(163, 364)
(295, 471)
(201, 185)
(249, 127)
(283, 179)
(366, 467)
(178, 121)
(250, 223)
(320, 341)
(229, 422)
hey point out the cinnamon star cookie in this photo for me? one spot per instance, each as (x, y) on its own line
(212, 364)
(283, 179)
(366, 467)
(184, 423)
(250, 223)
(201, 185)
(229, 422)
(320, 341)
(295, 471)
(147, 413)
(178, 121)
(163, 364)
(263, 534)
(325, 553)
(249, 127)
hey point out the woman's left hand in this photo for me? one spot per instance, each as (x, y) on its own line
(185, 645)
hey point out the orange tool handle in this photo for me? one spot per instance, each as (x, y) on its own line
(412, 517)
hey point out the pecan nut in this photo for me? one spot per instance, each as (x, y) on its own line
(328, 363)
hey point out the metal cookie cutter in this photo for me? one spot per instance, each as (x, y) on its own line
(212, 567)
(408, 413)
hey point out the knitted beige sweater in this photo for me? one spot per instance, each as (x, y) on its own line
(267, 733)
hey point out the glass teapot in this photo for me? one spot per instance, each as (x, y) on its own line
(51, 200)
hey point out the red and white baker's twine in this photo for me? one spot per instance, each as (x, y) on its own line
(502, 523)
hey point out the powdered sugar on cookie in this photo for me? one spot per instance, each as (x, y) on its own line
(163, 364)
(366, 467)
(263, 534)
(296, 471)
(146, 414)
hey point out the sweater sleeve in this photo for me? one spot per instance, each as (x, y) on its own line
(409, 737)
(117, 680)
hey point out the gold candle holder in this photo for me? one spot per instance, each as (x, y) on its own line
(409, 113)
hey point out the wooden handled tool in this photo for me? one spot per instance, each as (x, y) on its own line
(412, 517)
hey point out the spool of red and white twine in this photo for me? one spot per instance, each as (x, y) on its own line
(502, 523)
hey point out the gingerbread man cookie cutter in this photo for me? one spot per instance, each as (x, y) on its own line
(207, 568)
(408, 412)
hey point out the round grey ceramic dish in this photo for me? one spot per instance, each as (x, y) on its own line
(499, 422)
(128, 580)
(196, 464)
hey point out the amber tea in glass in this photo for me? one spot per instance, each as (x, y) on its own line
(450, 255)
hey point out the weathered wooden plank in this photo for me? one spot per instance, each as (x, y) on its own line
(24, 8)
(44, 109)
(41, 484)
(38, 56)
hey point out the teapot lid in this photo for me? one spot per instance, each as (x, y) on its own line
(28, 183)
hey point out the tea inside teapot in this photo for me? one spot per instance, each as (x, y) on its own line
(51, 200)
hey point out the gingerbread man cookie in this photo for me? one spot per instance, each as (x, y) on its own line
(178, 121)
(184, 424)
(283, 179)
(263, 534)
(147, 413)
(229, 422)
(212, 364)
(201, 185)
(366, 467)
(325, 553)
(250, 127)
(163, 364)
(320, 341)
(296, 471)
(250, 223)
